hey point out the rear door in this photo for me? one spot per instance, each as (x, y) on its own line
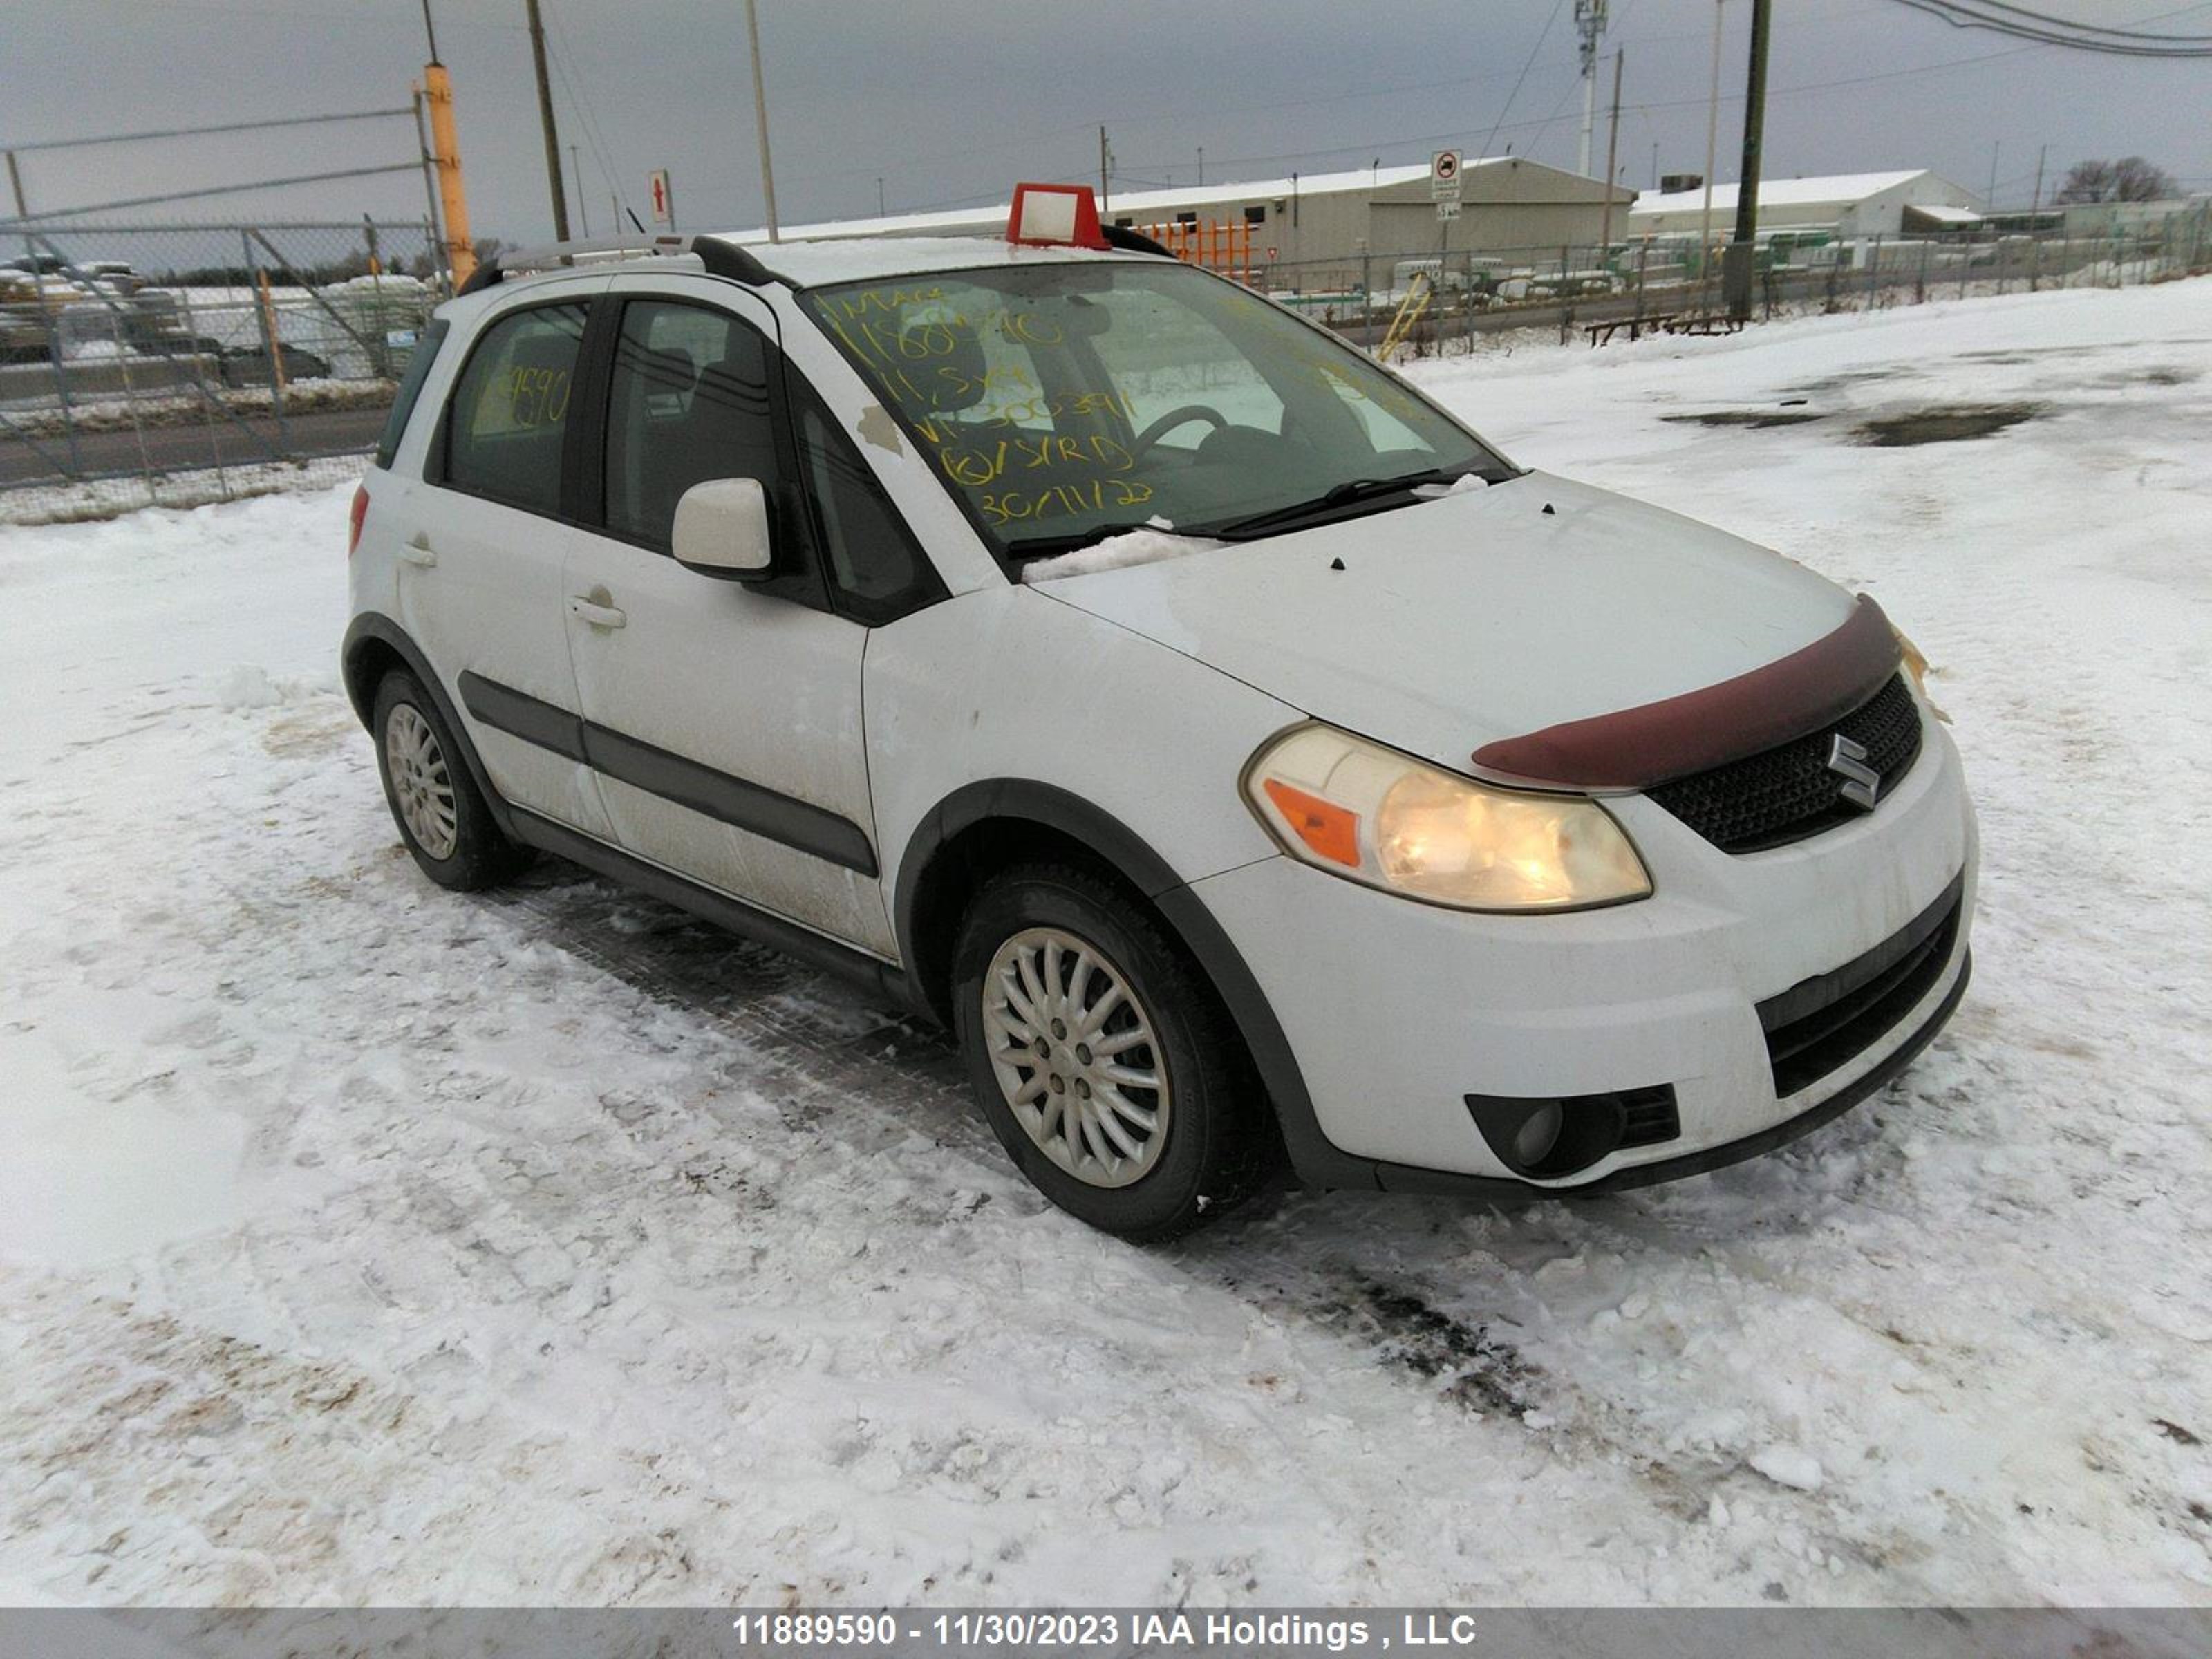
(724, 719)
(484, 537)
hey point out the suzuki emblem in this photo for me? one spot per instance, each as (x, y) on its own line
(1847, 760)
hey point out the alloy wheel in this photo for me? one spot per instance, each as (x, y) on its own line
(1073, 1050)
(421, 781)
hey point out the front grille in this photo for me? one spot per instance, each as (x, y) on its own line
(1825, 1022)
(1787, 792)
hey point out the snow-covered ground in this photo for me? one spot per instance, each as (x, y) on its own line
(360, 1243)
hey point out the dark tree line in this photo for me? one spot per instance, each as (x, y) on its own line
(2130, 179)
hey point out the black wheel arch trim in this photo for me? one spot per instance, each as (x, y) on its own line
(374, 627)
(1316, 1160)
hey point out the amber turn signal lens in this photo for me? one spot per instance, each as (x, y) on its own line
(1387, 819)
(1329, 828)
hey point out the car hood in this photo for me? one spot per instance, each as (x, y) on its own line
(1448, 624)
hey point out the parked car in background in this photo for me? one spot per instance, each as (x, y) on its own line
(114, 274)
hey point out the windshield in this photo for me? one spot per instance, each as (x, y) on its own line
(1065, 402)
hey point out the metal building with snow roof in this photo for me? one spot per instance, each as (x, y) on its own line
(1508, 203)
(1850, 204)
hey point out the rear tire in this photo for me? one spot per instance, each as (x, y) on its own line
(1103, 1057)
(442, 816)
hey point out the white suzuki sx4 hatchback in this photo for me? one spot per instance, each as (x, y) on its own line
(1256, 769)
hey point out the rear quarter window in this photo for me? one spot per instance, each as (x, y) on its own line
(410, 390)
(509, 418)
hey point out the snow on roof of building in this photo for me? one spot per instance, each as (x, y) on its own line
(1143, 206)
(1943, 213)
(1841, 188)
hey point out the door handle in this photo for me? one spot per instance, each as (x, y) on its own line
(417, 551)
(592, 609)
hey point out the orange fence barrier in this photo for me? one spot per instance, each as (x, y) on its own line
(1218, 245)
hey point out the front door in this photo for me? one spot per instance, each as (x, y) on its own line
(724, 720)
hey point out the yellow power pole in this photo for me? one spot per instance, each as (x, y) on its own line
(445, 147)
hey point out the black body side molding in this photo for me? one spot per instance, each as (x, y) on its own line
(738, 802)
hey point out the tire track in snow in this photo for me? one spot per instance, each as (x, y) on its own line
(909, 1073)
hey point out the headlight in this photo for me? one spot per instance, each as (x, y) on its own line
(1917, 666)
(1373, 815)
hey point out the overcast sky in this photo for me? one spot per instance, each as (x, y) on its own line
(950, 101)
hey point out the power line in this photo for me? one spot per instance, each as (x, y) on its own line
(1962, 15)
(1542, 34)
(2098, 28)
(586, 112)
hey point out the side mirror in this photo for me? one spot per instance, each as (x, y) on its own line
(721, 530)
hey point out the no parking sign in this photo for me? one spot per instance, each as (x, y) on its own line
(1444, 176)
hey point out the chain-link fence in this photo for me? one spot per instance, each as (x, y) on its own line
(1444, 301)
(175, 364)
(180, 364)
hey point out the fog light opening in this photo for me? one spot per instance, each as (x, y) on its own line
(1538, 1134)
(1543, 1139)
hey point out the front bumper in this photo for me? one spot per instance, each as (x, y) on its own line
(1396, 1012)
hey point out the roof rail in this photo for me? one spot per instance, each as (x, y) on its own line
(721, 259)
(1134, 241)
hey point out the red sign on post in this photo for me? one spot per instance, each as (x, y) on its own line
(663, 199)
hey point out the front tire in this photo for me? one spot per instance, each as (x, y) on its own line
(1103, 1057)
(441, 814)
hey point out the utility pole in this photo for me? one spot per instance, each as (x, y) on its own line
(760, 116)
(880, 196)
(1105, 166)
(1990, 201)
(1201, 164)
(1612, 153)
(2037, 208)
(1736, 276)
(1712, 140)
(1589, 22)
(583, 216)
(545, 120)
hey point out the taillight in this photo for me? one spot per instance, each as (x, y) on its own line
(355, 519)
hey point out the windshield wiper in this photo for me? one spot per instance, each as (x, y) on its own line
(1046, 547)
(1348, 493)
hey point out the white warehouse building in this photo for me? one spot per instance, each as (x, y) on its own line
(1847, 205)
(1510, 203)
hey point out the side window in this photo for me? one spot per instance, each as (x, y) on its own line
(688, 401)
(510, 412)
(878, 571)
(410, 388)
